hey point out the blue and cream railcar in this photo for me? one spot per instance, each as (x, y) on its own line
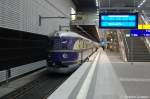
(67, 50)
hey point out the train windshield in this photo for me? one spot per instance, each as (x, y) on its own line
(57, 43)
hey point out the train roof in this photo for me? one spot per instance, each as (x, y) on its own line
(69, 34)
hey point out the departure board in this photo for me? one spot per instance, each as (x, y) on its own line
(140, 33)
(118, 21)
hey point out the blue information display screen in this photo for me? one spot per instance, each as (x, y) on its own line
(124, 21)
(139, 33)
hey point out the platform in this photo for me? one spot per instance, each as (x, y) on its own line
(102, 78)
(11, 86)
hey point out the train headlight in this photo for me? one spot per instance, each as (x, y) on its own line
(65, 55)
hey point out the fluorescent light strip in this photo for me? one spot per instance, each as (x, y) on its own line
(141, 3)
(97, 3)
(118, 16)
(144, 19)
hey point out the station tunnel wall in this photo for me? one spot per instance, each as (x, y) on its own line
(23, 16)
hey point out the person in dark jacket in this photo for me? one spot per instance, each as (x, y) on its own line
(103, 44)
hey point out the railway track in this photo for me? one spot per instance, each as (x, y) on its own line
(40, 88)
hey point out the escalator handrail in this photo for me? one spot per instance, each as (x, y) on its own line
(146, 40)
(124, 37)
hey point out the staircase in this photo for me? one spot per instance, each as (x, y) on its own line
(137, 50)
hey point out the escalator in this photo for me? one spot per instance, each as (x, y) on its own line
(136, 48)
(137, 52)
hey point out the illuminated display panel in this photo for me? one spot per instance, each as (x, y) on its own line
(140, 33)
(143, 26)
(118, 21)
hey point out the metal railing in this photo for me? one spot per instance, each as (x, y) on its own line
(146, 40)
(147, 43)
(125, 40)
(122, 45)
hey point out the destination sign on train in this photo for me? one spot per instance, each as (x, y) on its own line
(129, 21)
(139, 33)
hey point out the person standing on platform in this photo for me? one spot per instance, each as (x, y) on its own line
(103, 43)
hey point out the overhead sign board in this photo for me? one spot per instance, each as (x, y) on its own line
(144, 26)
(118, 20)
(140, 33)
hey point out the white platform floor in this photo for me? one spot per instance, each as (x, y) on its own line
(108, 85)
(110, 78)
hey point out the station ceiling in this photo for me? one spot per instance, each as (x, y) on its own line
(90, 5)
(85, 5)
(119, 3)
(88, 31)
(108, 5)
(127, 5)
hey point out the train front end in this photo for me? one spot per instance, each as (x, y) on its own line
(61, 56)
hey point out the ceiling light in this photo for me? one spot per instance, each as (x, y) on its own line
(141, 3)
(97, 3)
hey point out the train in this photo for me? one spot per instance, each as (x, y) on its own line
(67, 50)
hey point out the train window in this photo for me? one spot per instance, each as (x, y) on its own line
(64, 44)
(81, 44)
(55, 43)
(77, 45)
(84, 44)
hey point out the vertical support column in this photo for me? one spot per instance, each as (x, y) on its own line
(8, 75)
(109, 3)
(81, 56)
(132, 52)
(134, 3)
(60, 28)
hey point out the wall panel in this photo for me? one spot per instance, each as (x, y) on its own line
(21, 47)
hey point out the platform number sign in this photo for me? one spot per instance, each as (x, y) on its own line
(140, 33)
